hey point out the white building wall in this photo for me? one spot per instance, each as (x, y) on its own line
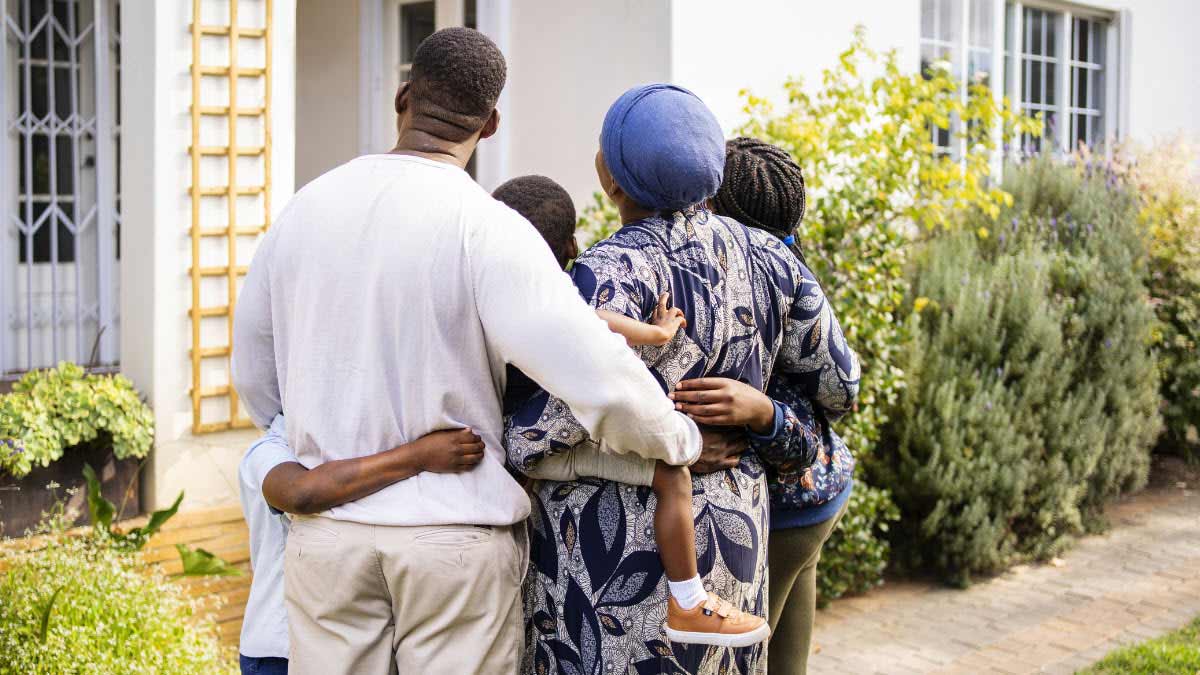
(567, 62)
(720, 48)
(1164, 67)
(156, 245)
(327, 87)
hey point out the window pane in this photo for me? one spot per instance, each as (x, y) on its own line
(928, 16)
(1050, 26)
(416, 24)
(981, 23)
(949, 20)
(469, 19)
(40, 240)
(1031, 40)
(979, 67)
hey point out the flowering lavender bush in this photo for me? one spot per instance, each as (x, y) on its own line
(1033, 391)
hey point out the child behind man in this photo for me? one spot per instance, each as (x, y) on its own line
(549, 208)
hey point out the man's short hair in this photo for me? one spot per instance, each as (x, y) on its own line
(456, 78)
(545, 204)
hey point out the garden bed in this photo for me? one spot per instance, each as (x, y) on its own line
(24, 500)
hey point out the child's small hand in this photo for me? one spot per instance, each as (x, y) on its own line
(667, 319)
(449, 451)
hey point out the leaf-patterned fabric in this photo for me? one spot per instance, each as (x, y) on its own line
(596, 592)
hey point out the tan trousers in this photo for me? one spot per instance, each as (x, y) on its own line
(373, 600)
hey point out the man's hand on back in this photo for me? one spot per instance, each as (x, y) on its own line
(723, 449)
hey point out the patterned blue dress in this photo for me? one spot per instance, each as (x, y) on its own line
(596, 592)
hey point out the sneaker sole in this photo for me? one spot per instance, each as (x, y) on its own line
(720, 639)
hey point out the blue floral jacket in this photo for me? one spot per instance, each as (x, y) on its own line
(809, 467)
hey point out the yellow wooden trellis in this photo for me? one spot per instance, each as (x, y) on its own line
(230, 229)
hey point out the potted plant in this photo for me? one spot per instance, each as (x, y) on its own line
(53, 423)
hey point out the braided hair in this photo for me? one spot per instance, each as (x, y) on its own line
(763, 188)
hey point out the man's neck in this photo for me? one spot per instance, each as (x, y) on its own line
(420, 144)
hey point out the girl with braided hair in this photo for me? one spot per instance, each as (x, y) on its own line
(809, 468)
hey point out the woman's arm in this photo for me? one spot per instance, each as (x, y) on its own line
(782, 426)
(292, 488)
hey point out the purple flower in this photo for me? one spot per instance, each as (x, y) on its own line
(1054, 222)
(987, 405)
(1108, 343)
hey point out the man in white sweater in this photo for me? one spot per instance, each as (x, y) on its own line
(384, 304)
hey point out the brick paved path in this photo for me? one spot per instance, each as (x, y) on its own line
(1138, 581)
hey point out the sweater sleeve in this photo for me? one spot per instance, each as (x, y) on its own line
(796, 440)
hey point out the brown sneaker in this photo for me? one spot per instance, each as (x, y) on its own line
(714, 622)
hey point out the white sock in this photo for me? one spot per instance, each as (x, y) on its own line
(689, 592)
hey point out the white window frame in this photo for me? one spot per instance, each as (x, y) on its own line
(965, 48)
(1114, 113)
(1116, 59)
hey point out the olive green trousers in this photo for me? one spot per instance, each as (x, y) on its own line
(792, 556)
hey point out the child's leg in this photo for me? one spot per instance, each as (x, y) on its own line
(674, 529)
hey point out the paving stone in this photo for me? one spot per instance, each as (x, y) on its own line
(1138, 581)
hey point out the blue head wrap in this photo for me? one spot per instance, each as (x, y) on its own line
(663, 146)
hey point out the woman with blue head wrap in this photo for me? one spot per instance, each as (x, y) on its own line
(660, 149)
(597, 595)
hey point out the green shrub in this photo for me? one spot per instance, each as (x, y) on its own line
(1167, 182)
(1032, 394)
(859, 546)
(77, 605)
(874, 181)
(597, 221)
(1089, 218)
(55, 409)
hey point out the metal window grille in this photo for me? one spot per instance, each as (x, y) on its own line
(230, 192)
(59, 191)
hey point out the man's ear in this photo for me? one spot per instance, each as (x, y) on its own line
(491, 125)
(401, 102)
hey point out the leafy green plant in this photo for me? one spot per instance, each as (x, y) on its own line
(196, 563)
(598, 220)
(1032, 394)
(1166, 180)
(859, 545)
(876, 183)
(79, 605)
(49, 411)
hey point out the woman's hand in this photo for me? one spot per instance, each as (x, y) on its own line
(719, 401)
(722, 450)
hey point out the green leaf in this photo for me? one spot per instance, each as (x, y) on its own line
(44, 619)
(100, 509)
(201, 563)
(157, 519)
